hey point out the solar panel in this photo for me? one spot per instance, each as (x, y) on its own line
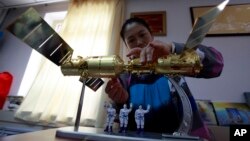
(203, 24)
(37, 33)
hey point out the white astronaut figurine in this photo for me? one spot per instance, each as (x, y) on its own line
(123, 116)
(111, 113)
(139, 118)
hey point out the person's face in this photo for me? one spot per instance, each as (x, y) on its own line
(125, 106)
(140, 107)
(136, 35)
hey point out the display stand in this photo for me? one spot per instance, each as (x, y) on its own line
(97, 134)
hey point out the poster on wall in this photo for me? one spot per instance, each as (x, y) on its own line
(232, 113)
(206, 110)
(234, 20)
(156, 21)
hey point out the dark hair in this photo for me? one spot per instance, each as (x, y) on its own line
(133, 20)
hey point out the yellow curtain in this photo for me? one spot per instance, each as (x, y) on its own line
(91, 28)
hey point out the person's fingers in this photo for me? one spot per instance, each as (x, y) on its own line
(149, 54)
(143, 56)
(161, 47)
(134, 53)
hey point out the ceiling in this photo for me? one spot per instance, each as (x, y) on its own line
(24, 3)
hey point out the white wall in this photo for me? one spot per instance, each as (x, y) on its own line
(235, 78)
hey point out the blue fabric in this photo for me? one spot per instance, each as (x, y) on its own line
(154, 92)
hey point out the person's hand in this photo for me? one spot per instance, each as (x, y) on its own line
(115, 91)
(148, 107)
(151, 52)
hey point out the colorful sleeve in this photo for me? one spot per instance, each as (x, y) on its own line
(212, 62)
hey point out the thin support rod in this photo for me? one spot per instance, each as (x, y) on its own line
(80, 104)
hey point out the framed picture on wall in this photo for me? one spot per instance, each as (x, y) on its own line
(234, 20)
(156, 21)
(206, 110)
(232, 113)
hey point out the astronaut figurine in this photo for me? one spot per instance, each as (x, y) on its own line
(139, 118)
(111, 113)
(123, 116)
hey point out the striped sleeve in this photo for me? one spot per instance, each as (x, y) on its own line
(212, 61)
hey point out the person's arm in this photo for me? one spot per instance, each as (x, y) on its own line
(130, 107)
(148, 109)
(211, 59)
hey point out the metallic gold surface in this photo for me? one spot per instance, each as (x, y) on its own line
(99, 66)
(187, 63)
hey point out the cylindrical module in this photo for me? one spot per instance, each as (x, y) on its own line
(187, 63)
(73, 67)
(99, 66)
(184, 64)
(104, 66)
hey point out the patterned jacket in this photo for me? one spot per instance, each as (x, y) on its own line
(212, 62)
